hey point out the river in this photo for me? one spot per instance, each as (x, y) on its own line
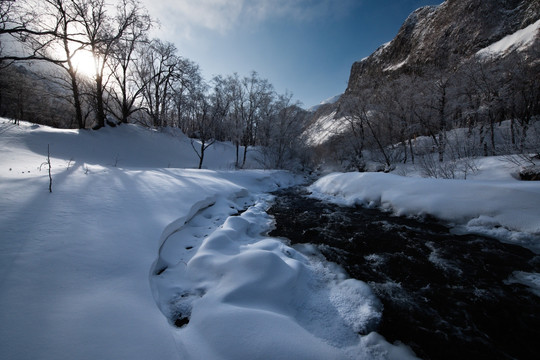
(447, 296)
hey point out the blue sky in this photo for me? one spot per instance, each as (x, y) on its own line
(305, 47)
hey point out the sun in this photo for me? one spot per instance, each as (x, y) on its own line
(84, 63)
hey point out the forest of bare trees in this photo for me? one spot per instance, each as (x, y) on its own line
(408, 116)
(440, 119)
(133, 79)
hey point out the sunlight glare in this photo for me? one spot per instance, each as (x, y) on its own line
(83, 61)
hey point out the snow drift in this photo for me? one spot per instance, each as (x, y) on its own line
(505, 209)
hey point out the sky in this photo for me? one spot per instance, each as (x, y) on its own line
(305, 47)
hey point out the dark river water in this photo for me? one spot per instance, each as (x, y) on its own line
(444, 295)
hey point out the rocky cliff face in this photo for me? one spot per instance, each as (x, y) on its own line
(443, 36)
(463, 63)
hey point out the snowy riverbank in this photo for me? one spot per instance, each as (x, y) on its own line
(501, 207)
(103, 266)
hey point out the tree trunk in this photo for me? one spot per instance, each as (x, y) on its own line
(201, 156)
(379, 144)
(245, 155)
(125, 105)
(512, 131)
(411, 150)
(237, 153)
(76, 100)
(99, 103)
(442, 146)
(442, 127)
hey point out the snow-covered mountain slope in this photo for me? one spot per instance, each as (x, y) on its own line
(436, 40)
(518, 41)
(106, 264)
(330, 100)
(323, 129)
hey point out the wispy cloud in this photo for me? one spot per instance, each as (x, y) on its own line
(299, 10)
(223, 15)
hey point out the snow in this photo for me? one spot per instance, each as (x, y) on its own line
(396, 66)
(124, 146)
(519, 40)
(324, 128)
(131, 240)
(380, 49)
(501, 207)
(531, 280)
(330, 100)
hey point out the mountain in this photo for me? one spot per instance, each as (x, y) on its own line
(435, 41)
(444, 36)
(330, 100)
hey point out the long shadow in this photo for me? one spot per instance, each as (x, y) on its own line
(21, 227)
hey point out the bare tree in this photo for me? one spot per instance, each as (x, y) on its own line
(221, 99)
(523, 94)
(355, 118)
(100, 34)
(187, 85)
(21, 21)
(236, 126)
(400, 101)
(283, 126)
(486, 83)
(203, 119)
(155, 73)
(125, 93)
(53, 36)
(254, 94)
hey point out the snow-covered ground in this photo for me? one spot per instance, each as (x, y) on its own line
(131, 240)
(490, 202)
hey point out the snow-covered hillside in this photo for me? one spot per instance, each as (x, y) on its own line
(130, 242)
(324, 128)
(518, 41)
(330, 100)
(124, 146)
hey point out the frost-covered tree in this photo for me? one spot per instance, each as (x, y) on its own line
(281, 132)
(221, 99)
(254, 95)
(201, 113)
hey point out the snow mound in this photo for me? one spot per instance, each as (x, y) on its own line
(231, 290)
(124, 146)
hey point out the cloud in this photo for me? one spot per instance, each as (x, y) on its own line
(223, 15)
(299, 10)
